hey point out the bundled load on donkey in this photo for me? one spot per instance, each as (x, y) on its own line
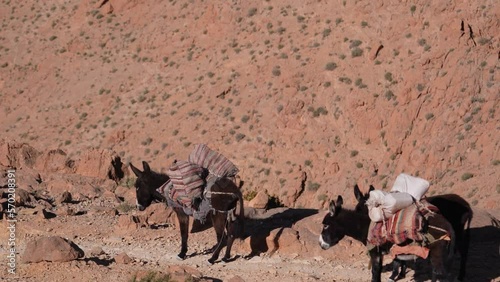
(186, 183)
(191, 180)
(187, 180)
(401, 217)
(404, 192)
(216, 163)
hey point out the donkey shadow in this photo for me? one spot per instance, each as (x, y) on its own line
(483, 264)
(259, 227)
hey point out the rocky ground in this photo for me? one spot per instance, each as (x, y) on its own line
(119, 249)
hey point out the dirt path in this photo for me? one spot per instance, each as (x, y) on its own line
(155, 250)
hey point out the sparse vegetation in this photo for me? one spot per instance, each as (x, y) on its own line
(466, 176)
(413, 8)
(276, 71)
(356, 52)
(125, 207)
(248, 196)
(388, 76)
(153, 276)
(313, 186)
(322, 197)
(252, 12)
(331, 66)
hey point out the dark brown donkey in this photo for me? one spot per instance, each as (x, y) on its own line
(454, 208)
(224, 198)
(339, 222)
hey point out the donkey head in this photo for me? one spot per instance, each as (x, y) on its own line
(146, 184)
(362, 198)
(332, 231)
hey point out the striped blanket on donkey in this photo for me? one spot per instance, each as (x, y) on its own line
(407, 225)
(216, 163)
(187, 180)
(190, 179)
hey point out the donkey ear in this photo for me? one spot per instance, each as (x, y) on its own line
(340, 201)
(146, 167)
(371, 188)
(332, 208)
(136, 171)
(357, 193)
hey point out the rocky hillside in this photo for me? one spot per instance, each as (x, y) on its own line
(307, 98)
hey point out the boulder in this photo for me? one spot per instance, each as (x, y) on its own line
(65, 197)
(96, 251)
(53, 249)
(158, 214)
(260, 201)
(284, 240)
(177, 273)
(129, 222)
(123, 258)
(183, 273)
(23, 198)
(235, 278)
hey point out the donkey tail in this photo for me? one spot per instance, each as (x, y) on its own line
(494, 221)
(241, 216)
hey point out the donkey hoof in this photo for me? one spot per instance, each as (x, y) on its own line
(226, 260)
(181, 256)
(390, 280)
(211, 261)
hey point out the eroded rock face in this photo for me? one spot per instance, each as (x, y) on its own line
(97, 163)
(53, 249)
(17, 155)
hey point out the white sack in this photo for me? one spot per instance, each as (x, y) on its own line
(382, 205)
(374, 203)
(412, 185)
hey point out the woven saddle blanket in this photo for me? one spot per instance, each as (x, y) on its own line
(216, 163)
(408, 224)
(188, 180)
(200, 213)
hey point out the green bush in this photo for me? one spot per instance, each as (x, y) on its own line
(467, 175)
(356, 52)
(313, 186)
(331, 66)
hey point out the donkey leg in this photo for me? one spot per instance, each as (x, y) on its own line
(184, 228)
(396, 264)
(219, 224)
(463, 248)
(231, 234)
(218, 234)
(438, 255)
(402, 273)
(376, 263)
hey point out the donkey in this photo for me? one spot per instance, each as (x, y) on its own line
(339, 222)
(454, 208)
(224, 198)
